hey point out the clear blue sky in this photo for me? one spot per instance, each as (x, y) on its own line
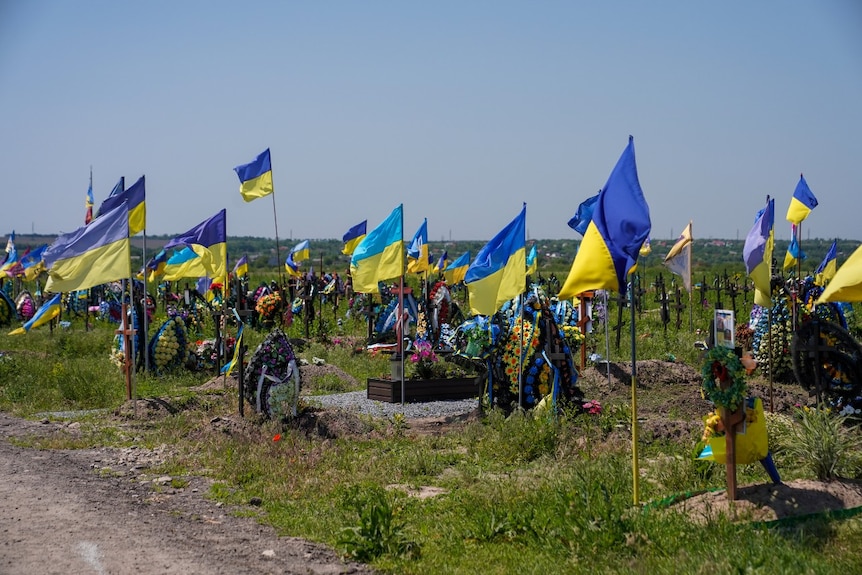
(460, 110)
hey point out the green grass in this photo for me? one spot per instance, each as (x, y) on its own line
(520, 494)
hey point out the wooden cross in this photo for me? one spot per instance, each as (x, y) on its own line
(661, 297)
(730, 420)
(717, 288)
(678, 306)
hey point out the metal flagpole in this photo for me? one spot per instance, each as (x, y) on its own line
(275, 220)
(607, 340)
(400, 331)
(145, 321)
(635, 470)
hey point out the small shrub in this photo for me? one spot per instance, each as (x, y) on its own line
(826, 445)
(378, 532)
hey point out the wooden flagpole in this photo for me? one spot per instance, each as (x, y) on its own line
(275, 221)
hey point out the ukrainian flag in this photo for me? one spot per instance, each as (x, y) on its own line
(380, 255)
(32, 262)
(241, 267)
(184, 263)
(456, 271)
(135, 198)
(417, 253)
(532, 261)
(612, 241)
(826, 270)
(442, 262)
(757, 254)
(802, 202)
(209, 241)
(847, 283)
(156, 266)
(228, 367)
(300, 251)
(794, 252)
(256, 177)
(94, 254)
(48, 311)
(353, 236)
(499, 271)
(291, 267)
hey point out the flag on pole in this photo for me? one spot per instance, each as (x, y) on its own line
(380, 254)
(88, 203)
(291, 267)
(678, 259)
(584, 214)
(255, 177)
(32, 262)
(11, 253)
(846, 285)
(353, 236)
(757, 254)
(96, 253)
(48, 311)
(300, 251)
(228, 367)
(135, 199)
(499, 272)
(826, 269)
(240, 269)
(802, 202)
(532, 260)
(646, 248)
(119, 187)
(209, 241)
(613, 238)
(442, 262)
(456, 271)
(794, 253)
(183, 263)
(417, 252)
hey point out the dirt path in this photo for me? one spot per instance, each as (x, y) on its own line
(64, 512)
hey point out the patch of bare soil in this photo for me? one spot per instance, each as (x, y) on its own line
(769, 502)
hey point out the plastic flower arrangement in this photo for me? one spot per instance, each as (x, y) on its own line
(592, 407)
(423, 359)
(276, 357)
(267, 307)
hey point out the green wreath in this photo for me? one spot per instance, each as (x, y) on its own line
(720, 363)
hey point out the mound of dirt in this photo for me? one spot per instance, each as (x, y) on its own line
(769, 502)
(312, 373)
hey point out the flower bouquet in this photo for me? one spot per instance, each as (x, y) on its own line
(267, 307)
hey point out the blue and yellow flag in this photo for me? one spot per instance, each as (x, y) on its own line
(353, 236)
(156, 266)
(300, 251)
(48, 311)
(757, 254)
(119, 187)
(794, 253)
(209, 241)
(532, 260)
(94, 254)
(228, 367)
(678, 259)
(613, 238)
(291, 267)
(32, 262)
(499, 272)
(442, 262)
(417, 251)
(456, 271)
(183, 263)
(11, 253)
(380, 255)
(135, 198)
(88, 203)
(802, 202)
(255, 177)
(826, 270)
(240, 269)
(846, 285)
(584, 214)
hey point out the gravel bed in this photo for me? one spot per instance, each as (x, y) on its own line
(358, 402)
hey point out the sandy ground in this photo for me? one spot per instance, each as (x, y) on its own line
(96, 511)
